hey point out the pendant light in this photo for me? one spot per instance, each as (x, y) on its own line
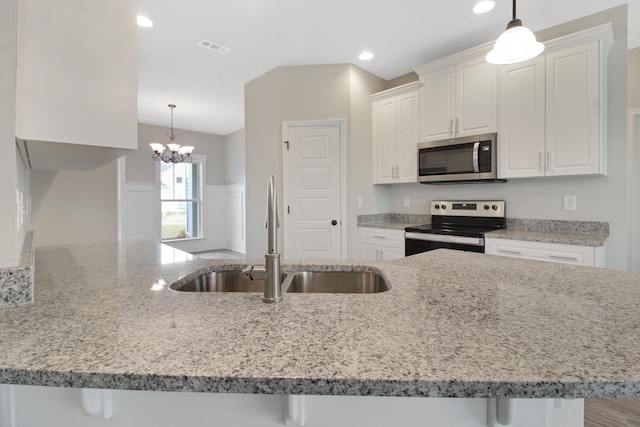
(516, 44)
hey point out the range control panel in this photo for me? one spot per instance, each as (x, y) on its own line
(482, 208)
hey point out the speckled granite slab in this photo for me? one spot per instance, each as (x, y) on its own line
(16, 283)
(454, 324)
(392, 221)
(582, 233)
(558, 226)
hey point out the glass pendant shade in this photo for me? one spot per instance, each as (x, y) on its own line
(516, 44)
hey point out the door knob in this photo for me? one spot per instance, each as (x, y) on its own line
(334, 222)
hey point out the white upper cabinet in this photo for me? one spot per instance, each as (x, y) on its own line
(521, 135)
(575, 111)
(438, 105)
(77, 73)
(553, 109)
(395, 134)
(459, 98)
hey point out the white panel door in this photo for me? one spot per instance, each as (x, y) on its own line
(476, 98)
(438, 105)
(521, 145)
(573, 111)
(313, 222)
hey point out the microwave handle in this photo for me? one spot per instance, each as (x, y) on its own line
(476, 149)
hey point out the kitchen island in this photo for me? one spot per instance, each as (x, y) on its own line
(453, 325)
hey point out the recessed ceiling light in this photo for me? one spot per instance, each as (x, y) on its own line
(483, 6)
(365, 56)
(143, 21)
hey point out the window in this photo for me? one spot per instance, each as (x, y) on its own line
(181, 200)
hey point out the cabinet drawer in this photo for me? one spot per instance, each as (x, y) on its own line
(552, 252)
(382, 237)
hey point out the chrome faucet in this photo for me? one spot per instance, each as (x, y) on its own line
(270, 272)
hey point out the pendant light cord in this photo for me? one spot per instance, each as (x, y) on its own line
(514, 13)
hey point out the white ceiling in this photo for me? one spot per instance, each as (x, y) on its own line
(208, 88)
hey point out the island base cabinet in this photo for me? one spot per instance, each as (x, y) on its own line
(30, 406)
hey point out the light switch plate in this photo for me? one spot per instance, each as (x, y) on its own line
(360, 201)
(407, 201)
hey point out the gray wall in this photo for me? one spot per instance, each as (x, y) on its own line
(318, 92)
(634, 78)
(141, 168)
(234, 158)
(74, 206)
(598, 198)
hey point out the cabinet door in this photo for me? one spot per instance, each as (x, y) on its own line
(384, 140)
(573, 111)
(388, 254)
(476, 98)
(407, 137)
(542, 251)
(521, 140)
(369, 252)
(437, 109)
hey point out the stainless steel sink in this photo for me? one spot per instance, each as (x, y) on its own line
(348, 282)
(353, 282)
(223, 281)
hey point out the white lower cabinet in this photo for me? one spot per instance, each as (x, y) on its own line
(55, 406)
(592, 256)
(381, 244)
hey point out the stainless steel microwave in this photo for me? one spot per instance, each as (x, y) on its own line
(470, 158)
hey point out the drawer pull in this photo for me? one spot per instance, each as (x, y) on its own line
(504, 251)
(567, 258)
(379, 237)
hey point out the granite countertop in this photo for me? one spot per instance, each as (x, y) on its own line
(387, 225)
(580, 239)
(455, 324)
(581, 233)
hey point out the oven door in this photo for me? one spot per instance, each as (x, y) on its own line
(415, 243)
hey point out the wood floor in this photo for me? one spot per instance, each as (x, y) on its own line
(611, 412)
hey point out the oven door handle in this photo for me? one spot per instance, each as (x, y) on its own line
(474, 241)
(476, 150)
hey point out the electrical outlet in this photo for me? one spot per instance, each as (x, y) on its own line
(360, 201)
(407, 201)
(570, 203)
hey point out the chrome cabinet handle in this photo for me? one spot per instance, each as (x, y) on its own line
(504, 251)
(450, 127)
(457, 128)
(548, 160)
(540, 162)
(567, 258)
(379, 237)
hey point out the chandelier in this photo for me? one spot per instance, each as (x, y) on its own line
(172, 153)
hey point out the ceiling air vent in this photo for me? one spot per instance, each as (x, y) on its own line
(216, 47)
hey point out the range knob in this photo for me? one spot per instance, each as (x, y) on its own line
(494, 207)
(437, 206)
(444, 206)
(486, 207)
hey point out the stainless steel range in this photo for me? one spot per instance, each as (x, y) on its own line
(456, 224)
